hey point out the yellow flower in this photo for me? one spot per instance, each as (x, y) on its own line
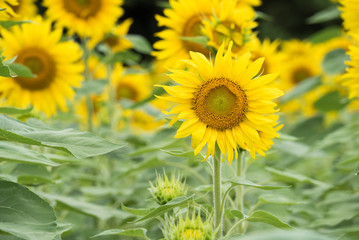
(232, 24)
(226, 103)
(8, 12)
(141, 122)
(350, 9)
(134, 87)
(268, 50)
(87, 18)
(184, 19)
(116, 40)
(56, 65)
(26, 9)
(351, 77)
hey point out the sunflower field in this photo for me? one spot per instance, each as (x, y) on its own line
(179, 119)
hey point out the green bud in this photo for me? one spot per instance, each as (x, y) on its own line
(189, 228)
(165, 189)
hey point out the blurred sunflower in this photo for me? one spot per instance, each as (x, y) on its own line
(134, 87)
(25, 9)
(116, 39)
(350, 10)
(8, 12)
(56, 65)
(184, 19)
(351, 77)
(225, 103)
(233, 23)
(87, 18)
(140, 121)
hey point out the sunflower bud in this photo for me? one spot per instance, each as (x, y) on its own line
(189, 229)
(165, 189)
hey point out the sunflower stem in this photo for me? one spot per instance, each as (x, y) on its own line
(87, 76)
(112, 98)
(241, 172)
(217, 191)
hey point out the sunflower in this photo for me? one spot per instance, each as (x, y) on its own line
(140, 121)
(25, 9)
(56, 66)
(351, 77)
(116, 40)
(87, 18)
(350, 10)
(226, 104)
(134, 87)
(233, 23)
(8, 12)
(268, 50)
(183, 20)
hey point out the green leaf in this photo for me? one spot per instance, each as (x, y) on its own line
(331, 101)
(92, 87)
(325, 15)
(32, 174)
(242, 181)
(15, 111)
(128, 57)
(285, 235)
(90, 209)
(198, 39)
(79, 144)
(140, 44)
(266, 217)
(136, 232)
(277, 199)
(301, 88)
(8, 24)
(21, 70)
(14, 153)
(135, 211)
(264, 16)
(177, 202)
(295, 177)
(24, 214)
(326, 34)
(334, 61)
(342, 135)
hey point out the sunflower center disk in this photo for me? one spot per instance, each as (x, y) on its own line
(126, 91)
(220, 103)
(83, 8)
(300, 74)
(41, 64)
(192, 28)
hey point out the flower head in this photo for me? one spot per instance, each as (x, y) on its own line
(226, 103)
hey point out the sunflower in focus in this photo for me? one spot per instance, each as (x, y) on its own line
(87, 18)
(226, 104)
(56, 65)
(184, 19)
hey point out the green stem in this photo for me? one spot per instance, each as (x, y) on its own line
(87, 76)
(241, 172)
(217, 191)
(111, 99)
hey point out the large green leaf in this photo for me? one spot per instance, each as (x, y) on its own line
(325, 15)
(266, 217)
(79, 144)
(334, 61)
(90, 209)
(14, 111)
(15, 153)
(24, 214)
(242, 181)
(331, 101)
(139, 43)
(136, 232)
